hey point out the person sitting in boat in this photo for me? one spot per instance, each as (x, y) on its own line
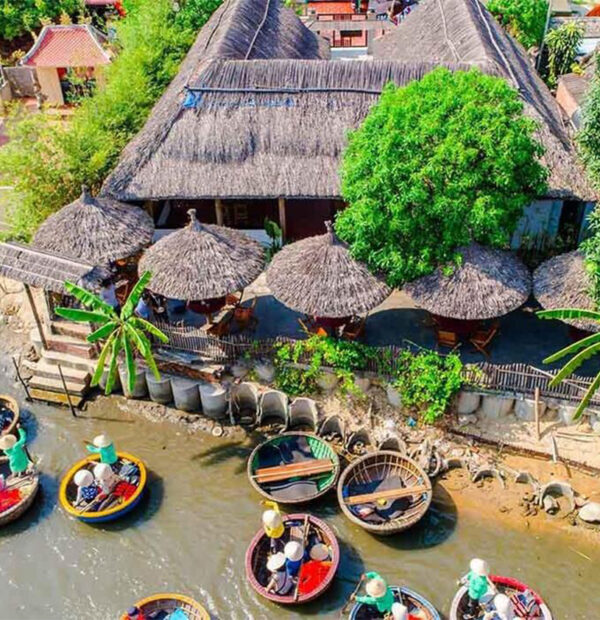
(280, 583)
(273, 524)
(135, 613)
(14, 449)
(478, 584)
(503, 609)
(294, 554)
(314, 571)
(104, 446)
(105, 478)
(86, 489)
(379, 594)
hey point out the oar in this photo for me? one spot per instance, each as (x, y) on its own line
(304, 537)
(351, 597)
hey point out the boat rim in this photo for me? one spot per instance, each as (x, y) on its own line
(62, 494)
(409, 592)
(14, 405)
(336, 468)
(169, 596)
(26, 501)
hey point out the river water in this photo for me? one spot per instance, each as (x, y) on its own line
(191, 533)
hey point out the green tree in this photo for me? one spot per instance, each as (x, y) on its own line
(20, 16)
(588, 138)
(46, 162)
(122, 333)
(523, 19)
(441, 162)
(562, 44)
(581, 351)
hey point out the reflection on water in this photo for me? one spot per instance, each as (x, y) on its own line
(190, 535)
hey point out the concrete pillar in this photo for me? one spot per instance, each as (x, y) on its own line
(219, 211)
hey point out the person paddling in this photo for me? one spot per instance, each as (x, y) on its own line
(15, 450)
(273, 524)
(104, 446)
(378, 593)
(478, 584)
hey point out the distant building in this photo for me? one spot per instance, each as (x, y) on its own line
(59, 50)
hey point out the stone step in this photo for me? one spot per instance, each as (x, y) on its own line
(76, 388)
(68, 344)
(67, 360)
(60, 398)
(50, 371)
(70, 328)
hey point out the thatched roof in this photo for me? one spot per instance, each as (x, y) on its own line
(317, 276)
(95, 230)
(202, 261)
(465, 31)
(228, 134)
(563, 282)
(488, 283)
(46, 270)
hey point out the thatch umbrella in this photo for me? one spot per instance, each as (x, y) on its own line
(488, 283)
(96, 230)
(202, 261)
(318, 277)
(563, 282)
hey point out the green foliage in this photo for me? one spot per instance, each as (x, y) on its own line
(18, 17)
(47, 162)
(344, 357)
(523, 19)
(582, 350)
(591, 250)
(274, 233)
(437, 164)
(562, 44)
(428, 382)
(123, 332)
(588, 139)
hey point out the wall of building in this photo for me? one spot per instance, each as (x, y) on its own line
(50, 85)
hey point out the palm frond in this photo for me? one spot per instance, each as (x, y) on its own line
(569, 313)
(88, 299)
(82, 316)
(152, 329)
(130, 363)
(102, 332)
(145, 348)
(572, 348)
(574, 363)
(134, 296)
(588, 396)
(102, 359)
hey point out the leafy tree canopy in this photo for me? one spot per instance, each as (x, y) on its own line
(588, 139)
(20, 16)
(562, 44)
(47, 162)
(523, 19)
(441, 162)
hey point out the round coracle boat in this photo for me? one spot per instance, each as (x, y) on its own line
(313, 577)
(126, 490)
(384, 492)
(161, 606)
(418, 606)
(9, 415)
(18, 494)
(293, 468)
(528, 605)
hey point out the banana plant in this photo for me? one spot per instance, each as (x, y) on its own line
(122, 333)
(581, 351)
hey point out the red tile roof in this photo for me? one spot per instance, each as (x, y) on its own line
(595, 11)
(67, 46)
(332, 8)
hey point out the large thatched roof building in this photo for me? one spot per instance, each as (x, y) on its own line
(256, 122)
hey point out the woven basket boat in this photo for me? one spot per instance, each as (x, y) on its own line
(258, 552)
(9, 404)
(293, 468)
(28, 485)
(168, 603)
(417, 606)
(68, 491)
(383, 481)
(505, 585)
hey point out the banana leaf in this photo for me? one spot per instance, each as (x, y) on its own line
(145, 348)
(102, 359)
(113, 368)
(588, 396)
(569, 313)
(82, 316)
(102, 332)
(573, 348)
(88, 299)
(130, 363)
(152, 329)
(574, 363)
(134, 296)
(136, 337)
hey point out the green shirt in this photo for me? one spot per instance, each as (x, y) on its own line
(108, 455)
(478, 585)
(383, 603)
(17, 457)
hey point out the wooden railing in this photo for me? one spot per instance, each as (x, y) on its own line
(513, 378)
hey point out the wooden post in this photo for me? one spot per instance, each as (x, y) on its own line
(28, 397)
(219, 211)
(36, 316)
(536, 406)
(282, 220)
(64, 383)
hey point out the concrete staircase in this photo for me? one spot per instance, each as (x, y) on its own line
(66, 346)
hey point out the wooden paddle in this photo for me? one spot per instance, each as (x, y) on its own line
(352, 596)
(304, 537)
(293, 470)
(367, 498)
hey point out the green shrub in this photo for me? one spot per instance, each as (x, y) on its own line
(436, 164)
(523, 19)
(18, 17)
(588, 138)
(428, 382)
(562, 44)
